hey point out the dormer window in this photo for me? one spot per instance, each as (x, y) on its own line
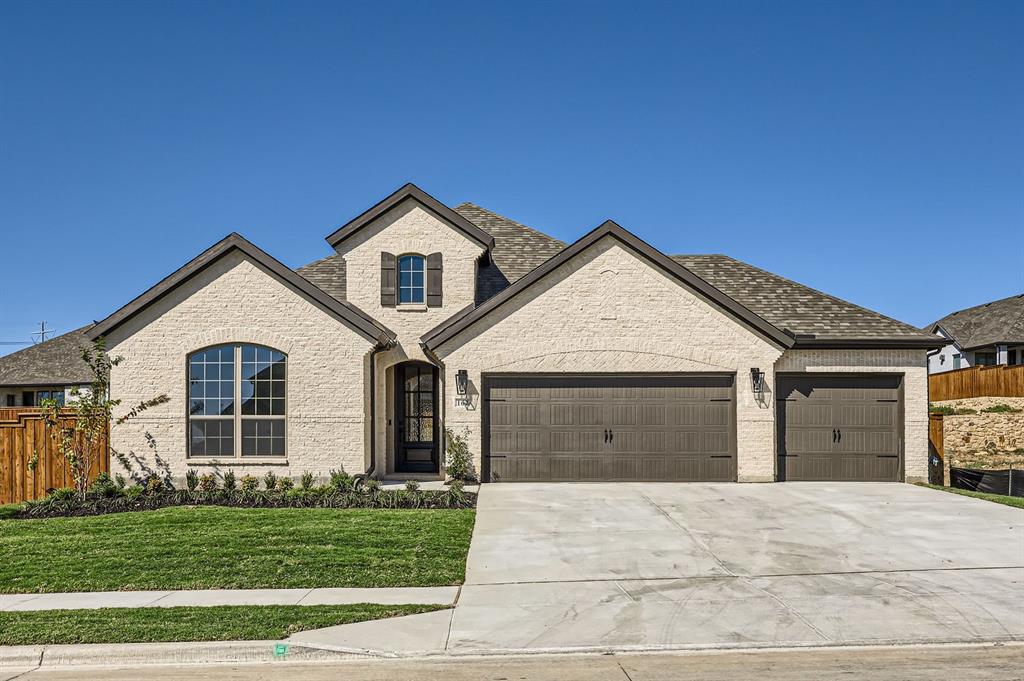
(411, 288)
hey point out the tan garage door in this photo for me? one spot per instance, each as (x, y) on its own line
(839, 427)
(607, 428)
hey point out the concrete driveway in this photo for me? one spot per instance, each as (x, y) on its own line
(678, 565)
(584, 567)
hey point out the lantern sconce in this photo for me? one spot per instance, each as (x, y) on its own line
(461, 381)
(757, 380)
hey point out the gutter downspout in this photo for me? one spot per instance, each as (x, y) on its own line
(373, 410)
(442, 444)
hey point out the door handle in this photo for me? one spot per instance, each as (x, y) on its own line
(840, 432)
(833, 435)
(606, 435)
(611, 435)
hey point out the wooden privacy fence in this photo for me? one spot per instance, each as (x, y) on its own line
(960, 384)
(23, 435)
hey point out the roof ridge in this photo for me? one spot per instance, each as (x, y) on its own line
(464, 204)
(831, 297)
(980, 305)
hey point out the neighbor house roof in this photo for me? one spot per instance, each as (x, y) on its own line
(996, 323)
(342, 310)
(411, 191)
(56, 362)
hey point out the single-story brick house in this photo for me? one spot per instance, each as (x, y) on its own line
(603, 359)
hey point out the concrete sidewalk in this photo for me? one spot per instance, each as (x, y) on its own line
(434, 595)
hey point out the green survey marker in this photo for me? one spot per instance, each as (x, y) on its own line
(280, 649)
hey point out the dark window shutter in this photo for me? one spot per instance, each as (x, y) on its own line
(435, 270)
(388, 277)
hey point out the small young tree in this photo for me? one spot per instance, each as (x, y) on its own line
(79, 428)
(459, 463)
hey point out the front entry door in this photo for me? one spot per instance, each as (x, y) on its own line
(416, 418)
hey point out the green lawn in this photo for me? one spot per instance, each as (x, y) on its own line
(235, 548)
(1017, 502)
(217, 623)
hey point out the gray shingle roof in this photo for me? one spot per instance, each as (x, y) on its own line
(1001, 321)
(517, 250)
(327, 274)
(784, 303)
(56, 362)
(792, 306)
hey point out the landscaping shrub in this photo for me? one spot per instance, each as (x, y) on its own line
(191, 480)
(341, 480)
(270, 481)
(229, 481)
(459, 462)
(306, 481)
(249, 484)
(113, 499)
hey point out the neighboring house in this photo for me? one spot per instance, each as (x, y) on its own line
(52, 369)
(604, 359)
(983, 335)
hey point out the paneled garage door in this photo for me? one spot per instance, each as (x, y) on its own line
(601, 428)
(839, 427)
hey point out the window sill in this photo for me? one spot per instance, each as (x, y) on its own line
(247, 461)
(411, 307)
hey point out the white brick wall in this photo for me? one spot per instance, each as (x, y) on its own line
(234, 301)
(913, 364)
(406, 228)
(609, 311)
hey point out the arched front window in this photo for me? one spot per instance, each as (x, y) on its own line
(410, 279)
(237, 402)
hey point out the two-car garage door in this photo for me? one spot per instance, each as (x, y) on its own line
(614, 427)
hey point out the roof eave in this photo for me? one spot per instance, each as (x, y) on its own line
(447, 330)
(411, 191)
(355, 318)
(890, 343)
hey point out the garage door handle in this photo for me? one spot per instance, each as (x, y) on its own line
(611, 435)
(833, 435)
(606, 435)
(840, 435)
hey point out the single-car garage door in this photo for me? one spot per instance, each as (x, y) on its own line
(836, 427)
(615, 427)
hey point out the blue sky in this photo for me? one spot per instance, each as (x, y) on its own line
(874, 150)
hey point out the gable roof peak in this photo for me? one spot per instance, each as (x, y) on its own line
(411, 191)
(355, 318)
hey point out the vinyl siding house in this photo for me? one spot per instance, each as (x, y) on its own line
(984, 335)
(603, 359)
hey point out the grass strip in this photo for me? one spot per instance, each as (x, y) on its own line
(215, 623)
(235, 548)
(1016, 502)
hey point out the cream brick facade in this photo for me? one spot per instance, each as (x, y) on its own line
(406, 228)
(235, 301)
(607, 310)
(913, 364)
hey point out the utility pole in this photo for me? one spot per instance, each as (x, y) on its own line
(42, 333)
